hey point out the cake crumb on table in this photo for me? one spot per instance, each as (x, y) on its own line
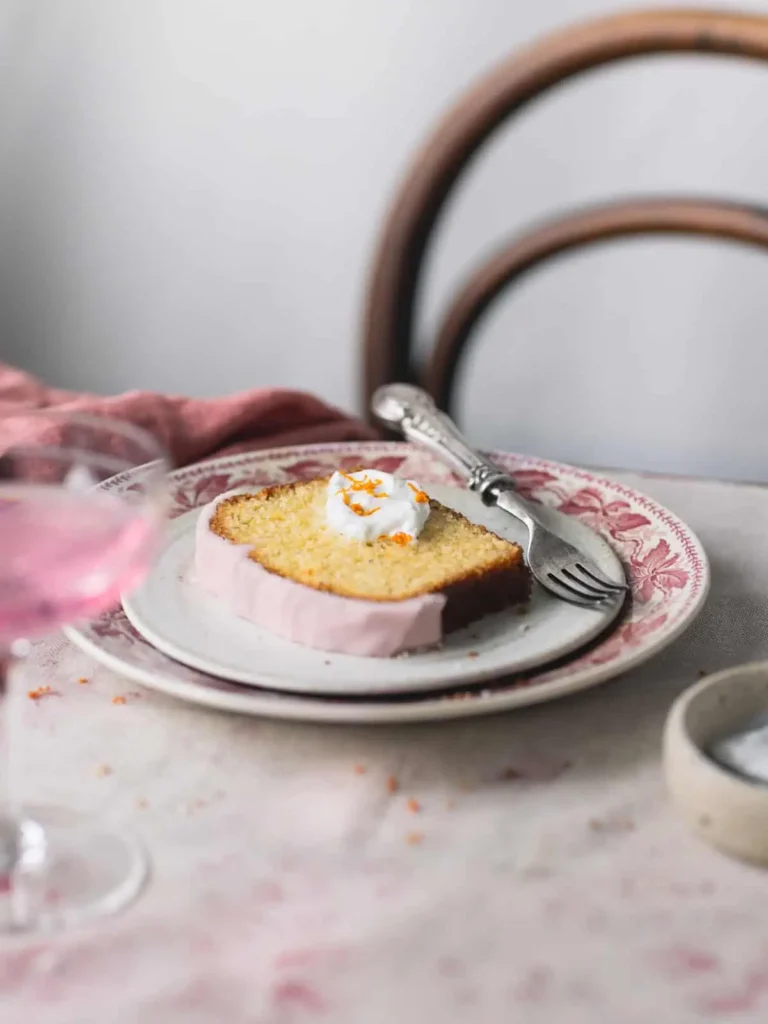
(414, 838)
(142, 803)
(413, 805)
(392, 784)
(82, 680)
(42, 691)
(473, 654)
(119, 699)
(360, 769)
(103, 770)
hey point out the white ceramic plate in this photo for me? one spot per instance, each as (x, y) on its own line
(193, 627)
(662, 557)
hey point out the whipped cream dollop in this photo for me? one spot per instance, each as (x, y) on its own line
(368, 504)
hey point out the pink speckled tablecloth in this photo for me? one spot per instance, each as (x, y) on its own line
(544, 877)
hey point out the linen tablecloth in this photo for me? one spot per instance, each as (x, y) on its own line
(529, 866)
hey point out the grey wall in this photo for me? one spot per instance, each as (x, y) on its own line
(190, 189)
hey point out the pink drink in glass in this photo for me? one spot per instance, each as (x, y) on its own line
(66, 556)
(81, 514)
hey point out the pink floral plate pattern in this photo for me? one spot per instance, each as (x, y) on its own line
(664, 560)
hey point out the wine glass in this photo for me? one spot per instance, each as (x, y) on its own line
(82, 502)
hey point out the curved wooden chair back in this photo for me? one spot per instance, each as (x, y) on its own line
(388, 331)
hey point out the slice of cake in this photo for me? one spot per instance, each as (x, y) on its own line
(363, 563)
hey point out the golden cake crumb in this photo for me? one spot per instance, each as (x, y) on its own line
(414, 838)
(119, 699)
(413, 806)
(41, 691)
(82, 680)
(102, 770)
(392, 784)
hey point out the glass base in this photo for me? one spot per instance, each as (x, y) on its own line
(68, 870)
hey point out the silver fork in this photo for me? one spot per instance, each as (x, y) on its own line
(560, 567)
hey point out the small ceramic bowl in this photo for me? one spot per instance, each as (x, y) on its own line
(726, 810)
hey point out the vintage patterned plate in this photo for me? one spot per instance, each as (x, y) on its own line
(664, 560)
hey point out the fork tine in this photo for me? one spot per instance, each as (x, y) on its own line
(568, 592)
(600, 578)
(586, 584)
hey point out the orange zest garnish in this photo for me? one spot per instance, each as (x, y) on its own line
(358, 509)
(364, 486)
(413, 806)
(401, 538)
(421, 496)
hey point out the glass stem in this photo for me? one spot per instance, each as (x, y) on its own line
(9, 825)
(22, 840)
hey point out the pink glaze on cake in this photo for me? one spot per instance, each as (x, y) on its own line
(314, 618)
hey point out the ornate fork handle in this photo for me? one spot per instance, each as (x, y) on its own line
(557, 565)
(410, 410)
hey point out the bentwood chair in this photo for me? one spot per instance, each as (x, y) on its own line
(398, 264)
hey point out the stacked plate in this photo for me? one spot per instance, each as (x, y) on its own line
(173, 637)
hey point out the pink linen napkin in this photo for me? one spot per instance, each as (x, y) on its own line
(192, 429)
